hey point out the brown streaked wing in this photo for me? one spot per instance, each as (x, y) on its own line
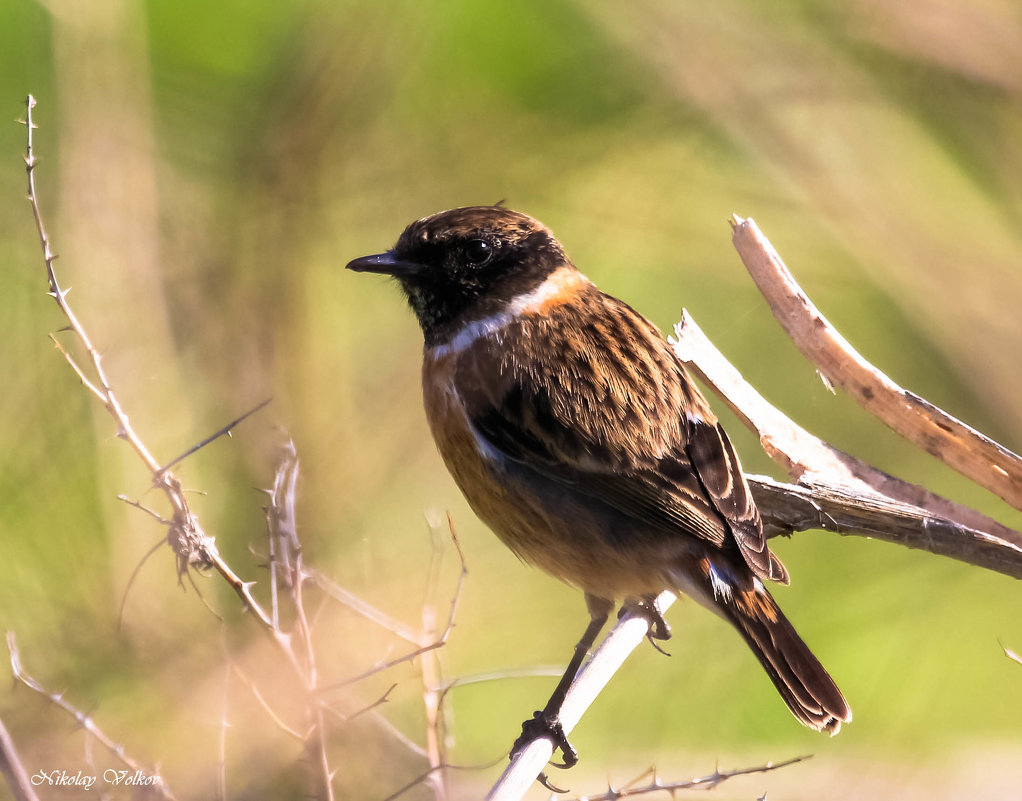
(591, 396)
(716, 463)
(668, 505)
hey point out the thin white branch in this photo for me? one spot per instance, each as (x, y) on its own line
(595, 674)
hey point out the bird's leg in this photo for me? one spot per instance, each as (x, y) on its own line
(645, 607)
(547, 722)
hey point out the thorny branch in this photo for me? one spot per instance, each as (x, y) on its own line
(708, 782)
(195, 549)
(191, 545)
(85, 721)
(185, 536)
(286, 569)
(426, 639)
(833, 491)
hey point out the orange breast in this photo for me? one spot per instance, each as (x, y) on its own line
(445, 413)
(497, 501)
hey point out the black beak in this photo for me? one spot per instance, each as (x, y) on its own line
(385, 263)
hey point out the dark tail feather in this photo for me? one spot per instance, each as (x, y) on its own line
(802, 681)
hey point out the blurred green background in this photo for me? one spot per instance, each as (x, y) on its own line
(208, 169)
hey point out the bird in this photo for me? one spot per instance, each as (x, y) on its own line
(578, 437)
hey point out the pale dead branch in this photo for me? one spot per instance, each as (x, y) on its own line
(117, 750)
(974, 455)
(833, 490)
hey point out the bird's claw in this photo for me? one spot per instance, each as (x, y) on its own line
(658, 628)
(553, 788)
(543, 724)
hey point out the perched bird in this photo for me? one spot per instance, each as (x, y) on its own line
(578, 437)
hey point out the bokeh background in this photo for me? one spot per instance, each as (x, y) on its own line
(208, 169)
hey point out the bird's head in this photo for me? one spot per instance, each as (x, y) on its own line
(465, 264)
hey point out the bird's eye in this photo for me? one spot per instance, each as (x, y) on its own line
(478, 251)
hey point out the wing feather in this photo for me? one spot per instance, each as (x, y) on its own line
(606, 409)
(716, 463)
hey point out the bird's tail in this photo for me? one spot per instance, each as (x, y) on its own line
(802, 681)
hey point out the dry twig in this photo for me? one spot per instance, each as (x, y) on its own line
(656, 785)
(191, 545)
(117, 750)
(14, 769)
(288, 574)
(427, 642)
(189, 542)
(974, 455)
(833, 491)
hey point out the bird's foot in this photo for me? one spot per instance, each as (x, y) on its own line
(658, 628)
(544, 724)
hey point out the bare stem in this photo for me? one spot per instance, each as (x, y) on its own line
(117, 750)
(657, 785)
(835, 491)
(974, 455)
(14, 769)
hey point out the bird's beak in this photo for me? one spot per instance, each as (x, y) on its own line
(385, 263)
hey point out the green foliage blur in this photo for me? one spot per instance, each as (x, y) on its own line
(208, 169)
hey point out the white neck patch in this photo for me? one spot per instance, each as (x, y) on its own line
(558, 282)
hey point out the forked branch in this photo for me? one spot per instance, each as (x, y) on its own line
(832, 490)
(974, 455)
